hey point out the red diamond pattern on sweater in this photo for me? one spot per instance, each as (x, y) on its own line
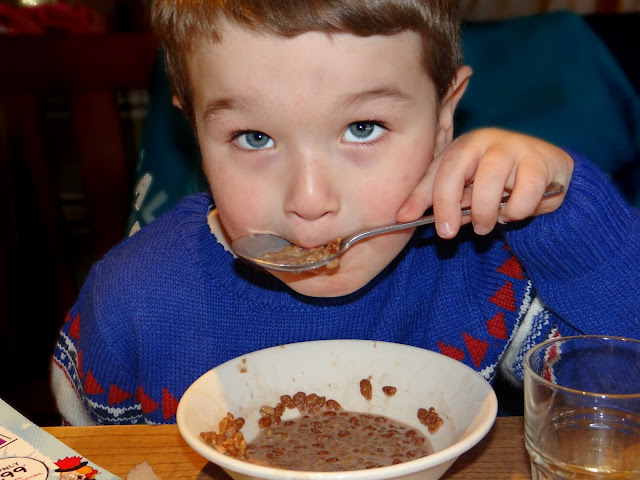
(512, 268)
(449, 351)
(169, 404)
(148, 404)
(91, 385)
(505, 298)
(477, 348)
(117, 395)
(74, 329)
(497, 326)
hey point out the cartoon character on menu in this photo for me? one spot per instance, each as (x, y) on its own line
(73, 468)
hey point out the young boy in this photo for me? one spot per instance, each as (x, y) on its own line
(317, 119)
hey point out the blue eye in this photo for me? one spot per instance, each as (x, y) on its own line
(253, 140)
(361, 132)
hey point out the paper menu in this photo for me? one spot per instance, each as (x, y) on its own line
(29, 453)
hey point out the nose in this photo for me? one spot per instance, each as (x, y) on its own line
(312, 189)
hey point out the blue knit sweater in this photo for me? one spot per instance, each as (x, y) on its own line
(170, 303)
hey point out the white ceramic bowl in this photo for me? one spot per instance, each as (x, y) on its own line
(333, 368)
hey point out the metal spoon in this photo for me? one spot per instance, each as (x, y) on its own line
(253, 247)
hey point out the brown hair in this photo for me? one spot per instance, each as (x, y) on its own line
(181, 24)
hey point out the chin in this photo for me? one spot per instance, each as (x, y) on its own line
(357, 267)
(352, 273)
(325, 283)
(321, 284)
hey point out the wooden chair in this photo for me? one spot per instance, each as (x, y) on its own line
(88, 70)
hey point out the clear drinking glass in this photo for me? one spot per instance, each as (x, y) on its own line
(582, 408)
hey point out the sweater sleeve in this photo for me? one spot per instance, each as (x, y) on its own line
(92, 377)
(584, 258)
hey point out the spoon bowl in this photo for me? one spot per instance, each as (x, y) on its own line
(253, 247)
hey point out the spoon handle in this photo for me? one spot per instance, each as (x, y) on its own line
(552, 189)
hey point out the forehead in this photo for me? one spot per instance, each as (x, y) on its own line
(257, 64)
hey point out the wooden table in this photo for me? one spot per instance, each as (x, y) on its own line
(500, 455)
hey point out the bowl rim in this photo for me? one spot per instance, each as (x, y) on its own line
(448, 454)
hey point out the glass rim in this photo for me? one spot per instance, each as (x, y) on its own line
(542, 345)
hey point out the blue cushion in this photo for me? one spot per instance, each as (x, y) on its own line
(551, 76)
(169, 163)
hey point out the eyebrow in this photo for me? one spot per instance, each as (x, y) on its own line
(385, 93)
(219, 106)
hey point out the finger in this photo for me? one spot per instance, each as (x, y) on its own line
(530, 183)
(455, 172)
(550, 204)
(494, 175)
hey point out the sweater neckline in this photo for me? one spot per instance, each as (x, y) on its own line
(237, 277)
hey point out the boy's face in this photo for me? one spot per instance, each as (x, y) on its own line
(315, 137)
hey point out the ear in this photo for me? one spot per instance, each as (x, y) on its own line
(444, 133)
(176, 102)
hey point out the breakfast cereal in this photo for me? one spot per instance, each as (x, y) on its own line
(325, 438)
(295, 255)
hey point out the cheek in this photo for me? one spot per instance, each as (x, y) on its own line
(243, 205)
(235, 214)
(412, 168)
(388, 192)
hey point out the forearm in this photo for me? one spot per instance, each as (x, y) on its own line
(87, 361)
(67, 399)
(584, 258)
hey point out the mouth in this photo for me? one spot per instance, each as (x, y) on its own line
(299, 255)
(307, 244)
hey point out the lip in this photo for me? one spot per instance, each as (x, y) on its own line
(304, 241)
(308, 246)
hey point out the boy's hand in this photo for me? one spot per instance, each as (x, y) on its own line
(476, 169)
